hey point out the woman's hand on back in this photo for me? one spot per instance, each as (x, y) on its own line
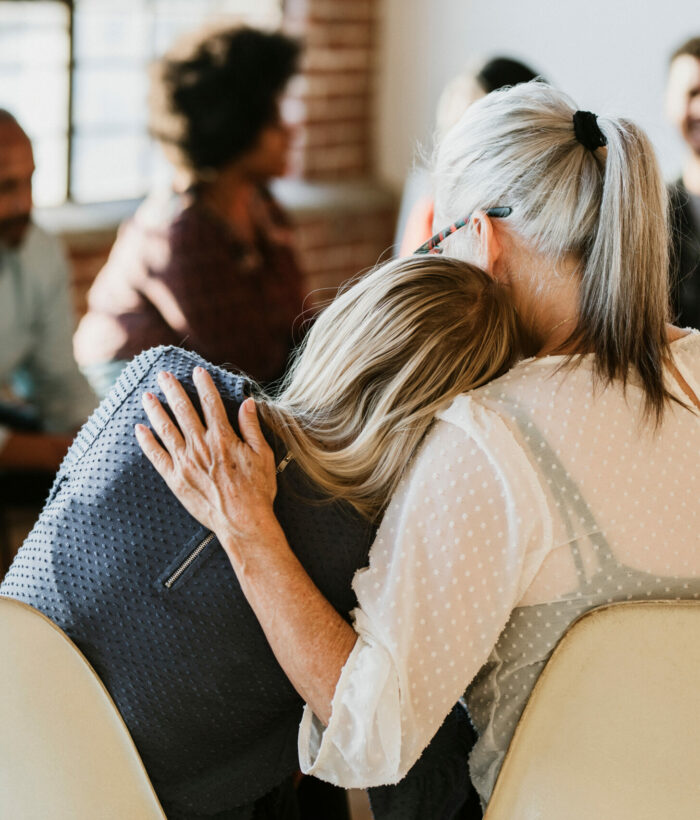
(229, 484)
(226, 483)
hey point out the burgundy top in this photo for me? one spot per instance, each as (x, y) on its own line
(178, 275)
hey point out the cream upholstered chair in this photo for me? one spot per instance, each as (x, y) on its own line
(65, 753)
(612, 728)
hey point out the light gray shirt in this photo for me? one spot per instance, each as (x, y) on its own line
(36, 327)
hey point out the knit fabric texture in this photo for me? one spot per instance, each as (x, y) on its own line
(212, 714)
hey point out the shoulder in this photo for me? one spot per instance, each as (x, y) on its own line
(41, 244)
(271, 206)
(142, 371)
(474, 473)
(525, 386)
(502, 419)
(676, 186)
(679, 200)
(170, 232)
(166, 214)
(42, 257)
(686, 349)
(492, 420)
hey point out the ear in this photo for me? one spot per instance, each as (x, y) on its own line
(488, 245)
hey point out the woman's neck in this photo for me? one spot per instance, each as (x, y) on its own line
(546, 295)
(229, 196)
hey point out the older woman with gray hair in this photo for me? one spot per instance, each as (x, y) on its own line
(570, 482)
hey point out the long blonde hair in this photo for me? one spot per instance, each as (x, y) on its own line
(517, 148)
(379, 362)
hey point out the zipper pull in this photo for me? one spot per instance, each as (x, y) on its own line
(284, 462)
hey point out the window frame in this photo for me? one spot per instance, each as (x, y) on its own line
(67, 186)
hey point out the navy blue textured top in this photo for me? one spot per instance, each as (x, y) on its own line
(150, 598)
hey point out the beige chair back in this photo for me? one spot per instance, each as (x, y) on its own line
(65, 753)
(612, 728)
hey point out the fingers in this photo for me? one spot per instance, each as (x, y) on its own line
(250, 428)
(183, 410)
(162, 423)
(158, 457)
(210, 399)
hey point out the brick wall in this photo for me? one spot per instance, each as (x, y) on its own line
(332, 103)
(333, 95)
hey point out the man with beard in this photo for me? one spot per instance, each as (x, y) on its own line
(683, 107)
(43, 396)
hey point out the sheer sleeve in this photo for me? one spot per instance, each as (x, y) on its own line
(459, 543)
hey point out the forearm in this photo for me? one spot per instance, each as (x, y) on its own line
(229, 486)
(310, 640)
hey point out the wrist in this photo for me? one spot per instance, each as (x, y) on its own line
(266, 539)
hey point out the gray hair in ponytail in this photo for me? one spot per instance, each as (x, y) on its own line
(607, 206)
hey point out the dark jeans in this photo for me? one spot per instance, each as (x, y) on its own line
(438, 786)
(311, 800)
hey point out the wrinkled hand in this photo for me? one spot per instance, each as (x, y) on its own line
(226, 483)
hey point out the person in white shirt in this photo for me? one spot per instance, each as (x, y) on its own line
(36, 323)
(569, 482)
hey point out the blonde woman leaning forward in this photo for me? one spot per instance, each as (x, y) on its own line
(571, 481)
(378, 363)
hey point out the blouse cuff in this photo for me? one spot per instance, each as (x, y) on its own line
(361, 746)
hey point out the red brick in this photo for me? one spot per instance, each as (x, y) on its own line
(342, 9)
(340, 227)
(340, 156)
(342, 256)
(339, 34)
(337, 132)
(323, 109)
(338, 59)
(322, 84)
(348, 172)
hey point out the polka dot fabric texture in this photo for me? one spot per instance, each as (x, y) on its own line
(533, 499)
(212, 714)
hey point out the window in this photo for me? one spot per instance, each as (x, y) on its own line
(74, 73)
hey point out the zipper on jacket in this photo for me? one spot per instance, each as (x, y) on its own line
(281, 466)
(199, 549)
(191, 558)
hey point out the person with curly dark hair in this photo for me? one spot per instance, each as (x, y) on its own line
(211, 266)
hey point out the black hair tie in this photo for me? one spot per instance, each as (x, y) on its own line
(588, 131)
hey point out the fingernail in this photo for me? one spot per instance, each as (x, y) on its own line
(250, 405)
(198, 371)
(148, 397)
(139, 428)
(163, 376)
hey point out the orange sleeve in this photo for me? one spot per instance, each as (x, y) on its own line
(419, 226)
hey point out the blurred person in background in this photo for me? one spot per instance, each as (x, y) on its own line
(43, 396)
(210, 265)
(683, 108)
(415, 223)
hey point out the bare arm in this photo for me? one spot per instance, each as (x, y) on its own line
(229, 486)
(420, 636)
